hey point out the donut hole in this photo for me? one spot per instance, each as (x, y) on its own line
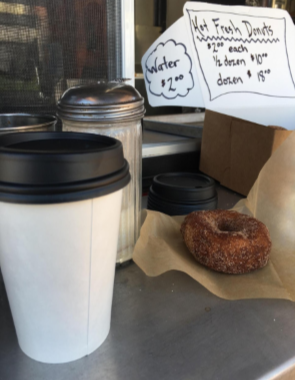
(227, 226)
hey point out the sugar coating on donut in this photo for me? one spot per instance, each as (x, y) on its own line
(227, 241)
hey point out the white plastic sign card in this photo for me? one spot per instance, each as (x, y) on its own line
(170, 74)
(245, 61)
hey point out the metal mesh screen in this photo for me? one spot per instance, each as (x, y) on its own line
(47, 46)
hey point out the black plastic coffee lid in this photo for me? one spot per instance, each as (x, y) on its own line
(157, 203)
(54, 167)
(184, 187)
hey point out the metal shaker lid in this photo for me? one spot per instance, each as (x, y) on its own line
(101, 102)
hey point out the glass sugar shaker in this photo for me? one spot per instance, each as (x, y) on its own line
(112, 109)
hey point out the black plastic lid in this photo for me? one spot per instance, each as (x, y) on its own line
(184, 188)
(54, 167)
(157, 203)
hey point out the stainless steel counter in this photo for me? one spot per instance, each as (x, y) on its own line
(170, 327)
(161, 144)
(187, 124)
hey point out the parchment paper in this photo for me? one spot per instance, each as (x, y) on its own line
(160, 247)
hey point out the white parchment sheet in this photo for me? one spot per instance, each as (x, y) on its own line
(160, 247)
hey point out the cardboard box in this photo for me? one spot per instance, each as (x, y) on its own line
(234, 151)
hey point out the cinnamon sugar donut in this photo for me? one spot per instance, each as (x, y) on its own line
(227, 241)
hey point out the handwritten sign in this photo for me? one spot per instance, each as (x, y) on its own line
(169, 71)
(245, 61)
(232, 59)
(239, 53)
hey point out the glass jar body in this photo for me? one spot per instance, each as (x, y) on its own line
(130, 134)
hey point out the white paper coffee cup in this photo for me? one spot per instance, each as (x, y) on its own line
(58, 263)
